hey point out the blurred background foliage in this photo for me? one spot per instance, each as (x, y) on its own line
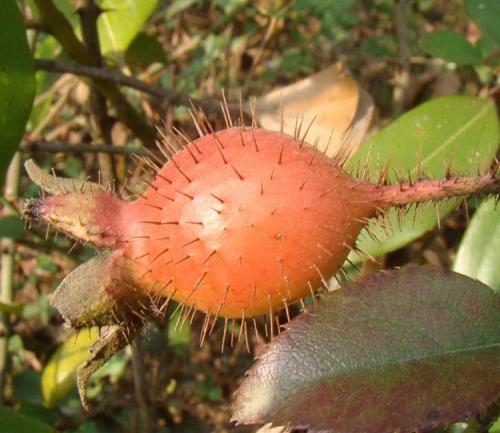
(402, 53)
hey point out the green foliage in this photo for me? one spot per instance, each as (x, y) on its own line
(121, 22)
(197, 47)
(17, 82)
(461, 130)
(143, 51)
(477, 256)
(12, 227)
(206, 388)
(486, 13)
(451, 46)
(402, 350)
(15, 422)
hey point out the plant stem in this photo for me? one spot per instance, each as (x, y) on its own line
(141, 395)
(433, 190)
(89, 12)
(45, 146)
(61, 29)
(7, 271)
(106, 74)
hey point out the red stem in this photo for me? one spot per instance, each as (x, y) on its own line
(432, 190)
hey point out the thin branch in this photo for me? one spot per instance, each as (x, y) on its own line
(107, 74)
(45, 146)
(61, 29)
(89, 12)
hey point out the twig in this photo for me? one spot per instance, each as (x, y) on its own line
(265, 40)
(61, 29)
(89, 12)
(45, 146)
(107, 74)
(7, 271)
(141, 395)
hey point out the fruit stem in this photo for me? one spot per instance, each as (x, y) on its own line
(433, 190)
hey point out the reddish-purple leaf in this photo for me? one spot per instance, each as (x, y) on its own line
(399, 351)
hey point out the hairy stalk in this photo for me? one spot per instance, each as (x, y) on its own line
(7, 271)
(61, 29)
(433, 190)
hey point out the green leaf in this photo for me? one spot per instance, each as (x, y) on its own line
(12, 227)
(495, 428)
(404, 350)
(59, 375)
(477, 255)
(143, 51)
(121, 22)
(451, 46)
(486, 13)
(15, 422)
(17, 82)
(459, 128)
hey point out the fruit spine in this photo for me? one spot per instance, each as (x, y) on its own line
(237, 223)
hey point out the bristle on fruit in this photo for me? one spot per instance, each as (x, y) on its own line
(239, 223)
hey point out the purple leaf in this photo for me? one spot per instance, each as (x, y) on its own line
(399, 351)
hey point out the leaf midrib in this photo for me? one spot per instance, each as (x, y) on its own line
(453, 137)
(363, 367)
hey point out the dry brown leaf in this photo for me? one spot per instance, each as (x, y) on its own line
(362, 119)
(329, 98)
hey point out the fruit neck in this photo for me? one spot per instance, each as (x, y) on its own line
(94, 217)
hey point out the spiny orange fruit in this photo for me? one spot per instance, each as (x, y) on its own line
(237, 223)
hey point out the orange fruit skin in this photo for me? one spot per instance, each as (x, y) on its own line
(243, 222)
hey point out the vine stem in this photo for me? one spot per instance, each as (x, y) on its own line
(7, 270)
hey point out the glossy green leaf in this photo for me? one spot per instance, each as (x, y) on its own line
(451, 46)
(486, 13)
(59, 375)
(12, 227)
(404, 350)
(477, 255)
(15, 422)
(121, 22)
(463, 129)
(17, 82)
